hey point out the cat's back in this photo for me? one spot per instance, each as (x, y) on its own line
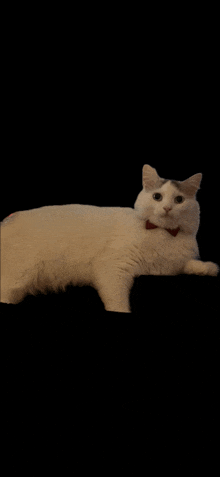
(54, 215)
(66, 217)
(76, 221)
(73, 234)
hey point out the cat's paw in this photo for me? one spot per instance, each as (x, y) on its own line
(198, 267)
(210, 268)
(118, 309)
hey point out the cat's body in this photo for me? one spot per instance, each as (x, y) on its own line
(51, 247)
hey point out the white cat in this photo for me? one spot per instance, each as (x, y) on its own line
(51, 247)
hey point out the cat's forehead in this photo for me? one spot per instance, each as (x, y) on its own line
(170, 186)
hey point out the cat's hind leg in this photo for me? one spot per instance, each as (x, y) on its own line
(12, 292)
(4, 296)
(11, 296)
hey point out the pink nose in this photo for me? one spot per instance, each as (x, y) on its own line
(167, 209)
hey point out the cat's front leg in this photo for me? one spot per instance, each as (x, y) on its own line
(197, 267)
(114, 290)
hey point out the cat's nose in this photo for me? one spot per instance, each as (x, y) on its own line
(167, 209)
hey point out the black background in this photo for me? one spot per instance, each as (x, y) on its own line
(80, 123)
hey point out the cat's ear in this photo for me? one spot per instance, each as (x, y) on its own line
(149, 177)
(191, 185)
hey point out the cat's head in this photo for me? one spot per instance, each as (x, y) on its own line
(168, 203)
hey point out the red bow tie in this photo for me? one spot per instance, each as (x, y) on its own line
(173, 232)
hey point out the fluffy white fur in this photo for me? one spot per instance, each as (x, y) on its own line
(51, 247)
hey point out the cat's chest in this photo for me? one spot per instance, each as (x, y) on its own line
(154, 243)
(158, 243)
(133, 242)
(165, 254)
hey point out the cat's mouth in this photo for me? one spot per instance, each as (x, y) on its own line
(167, 214)
(166, 221)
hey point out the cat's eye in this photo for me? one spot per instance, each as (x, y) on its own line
(179, 199)
(157, 196)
